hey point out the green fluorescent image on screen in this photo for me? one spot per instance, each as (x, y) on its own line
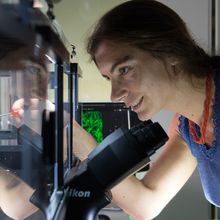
(92, 122)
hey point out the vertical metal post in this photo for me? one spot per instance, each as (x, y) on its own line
(74, 71)
(213, 212)
(217, 27)
(212, 26)
(214, 46)
(58, 172)
(75, 74)
(70, 126)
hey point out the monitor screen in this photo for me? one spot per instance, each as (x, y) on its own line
(102, 118)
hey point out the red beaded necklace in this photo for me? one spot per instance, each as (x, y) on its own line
(207, 102)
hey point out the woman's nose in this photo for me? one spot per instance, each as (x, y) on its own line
(118, 92)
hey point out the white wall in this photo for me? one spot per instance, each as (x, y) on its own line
(76, 18)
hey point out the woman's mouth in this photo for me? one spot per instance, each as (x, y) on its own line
(137, 106)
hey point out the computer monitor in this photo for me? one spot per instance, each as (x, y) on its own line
(102, 118)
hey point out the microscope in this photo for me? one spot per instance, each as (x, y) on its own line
(120, 155)
(31, 147)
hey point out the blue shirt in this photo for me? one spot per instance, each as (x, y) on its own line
(208, 158)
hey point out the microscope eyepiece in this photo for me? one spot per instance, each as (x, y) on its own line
(150, 137)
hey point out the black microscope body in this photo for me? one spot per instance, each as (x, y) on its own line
(120, 155)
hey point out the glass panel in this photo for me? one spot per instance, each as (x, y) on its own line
(31, 126)
(23, 100)
(7, 130)
(5, 103)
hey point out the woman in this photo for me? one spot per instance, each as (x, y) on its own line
(145, 50)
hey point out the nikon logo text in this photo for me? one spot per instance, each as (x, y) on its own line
(80, 194)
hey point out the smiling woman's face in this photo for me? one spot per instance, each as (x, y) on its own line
(138, 79)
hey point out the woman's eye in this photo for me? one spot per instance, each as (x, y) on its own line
(124, 70)
(106, 77)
